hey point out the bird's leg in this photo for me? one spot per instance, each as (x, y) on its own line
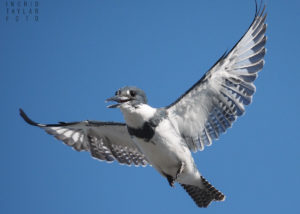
(171, 180)
(180, 169)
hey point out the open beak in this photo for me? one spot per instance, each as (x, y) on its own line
(118, 99)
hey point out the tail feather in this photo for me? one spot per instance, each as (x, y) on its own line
(203, 197)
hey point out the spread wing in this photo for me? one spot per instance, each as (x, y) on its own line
(105, 141)
(210, 107)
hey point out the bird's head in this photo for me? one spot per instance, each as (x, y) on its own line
(130, 95)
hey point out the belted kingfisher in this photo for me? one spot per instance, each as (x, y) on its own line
(164, 137)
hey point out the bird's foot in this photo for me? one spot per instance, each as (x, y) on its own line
(171, 180)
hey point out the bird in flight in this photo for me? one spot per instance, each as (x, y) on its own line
(165, 137)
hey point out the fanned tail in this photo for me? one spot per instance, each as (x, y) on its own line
(203, 197)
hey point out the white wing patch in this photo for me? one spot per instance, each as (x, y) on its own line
(69, 136)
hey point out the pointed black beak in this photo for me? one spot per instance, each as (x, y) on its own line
(118, 99)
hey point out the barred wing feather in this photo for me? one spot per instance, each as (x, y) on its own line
(107, 141)
(211, 106)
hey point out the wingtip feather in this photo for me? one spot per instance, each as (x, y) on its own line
(27, 119)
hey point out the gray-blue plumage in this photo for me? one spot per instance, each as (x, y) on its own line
(147, 130)
(132, 94)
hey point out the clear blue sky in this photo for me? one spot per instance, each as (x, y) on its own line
(64, 67)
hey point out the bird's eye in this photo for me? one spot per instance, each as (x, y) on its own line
(132, 93)
(117, 92)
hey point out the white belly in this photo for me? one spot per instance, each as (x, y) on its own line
(166, 151)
